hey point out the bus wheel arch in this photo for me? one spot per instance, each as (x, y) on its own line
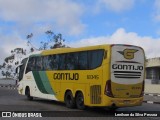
(69, 99)
(27, 93)
(79, 99)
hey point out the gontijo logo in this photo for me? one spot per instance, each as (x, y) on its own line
(128, 53)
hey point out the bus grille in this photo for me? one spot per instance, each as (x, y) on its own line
(127, 74)
(95, 96)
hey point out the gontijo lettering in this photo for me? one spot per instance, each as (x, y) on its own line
(65, 76)
(127, 67)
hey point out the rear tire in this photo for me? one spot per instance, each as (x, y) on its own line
(69, 100)
(29, 97)
(80, 101)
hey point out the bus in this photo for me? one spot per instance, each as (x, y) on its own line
(109, 75)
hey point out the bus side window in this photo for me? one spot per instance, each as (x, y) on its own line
(95, 58)
(61, 62)
(46, 63)
(76, 61)
(54, 62)
(49, 62)
(31, 64)
(82, 61)
(71, 61)
(39, 64)
(22, 67)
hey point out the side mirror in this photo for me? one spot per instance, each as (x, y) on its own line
(17, 70)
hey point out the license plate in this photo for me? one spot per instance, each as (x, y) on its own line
(126, 101)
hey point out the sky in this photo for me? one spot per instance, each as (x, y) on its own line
(81, 22)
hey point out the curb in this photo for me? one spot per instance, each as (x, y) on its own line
(151, 102)
(152, 94)
(9, 86)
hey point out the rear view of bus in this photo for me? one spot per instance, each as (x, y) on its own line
(126, 84)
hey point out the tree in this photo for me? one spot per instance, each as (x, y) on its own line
(56, 39)
(6, 74)
(53, 41)
(29, 43)
(10, 62)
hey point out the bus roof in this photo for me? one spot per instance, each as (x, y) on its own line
(65, 50)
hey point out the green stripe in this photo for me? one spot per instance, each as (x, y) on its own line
(46, 83)
(39, 82)
(35, 55)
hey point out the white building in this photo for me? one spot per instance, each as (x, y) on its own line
(153, 70)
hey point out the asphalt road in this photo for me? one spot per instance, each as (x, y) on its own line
(10, 100)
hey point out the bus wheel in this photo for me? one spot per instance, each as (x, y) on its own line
(28, 94)
(69, 100)
(80, 101)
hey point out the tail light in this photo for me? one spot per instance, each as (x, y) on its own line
(142, 92)
(108, 90)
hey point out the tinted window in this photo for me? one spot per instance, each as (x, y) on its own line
(72, 61)
(22, 67)
(31, 64)
(95, 58)
(51, 62)
(46, 63)
(54, 62)
(82, 61)
(62, 63)
(39, 63)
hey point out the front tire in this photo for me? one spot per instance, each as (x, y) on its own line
(29, 97)
(80, 101)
